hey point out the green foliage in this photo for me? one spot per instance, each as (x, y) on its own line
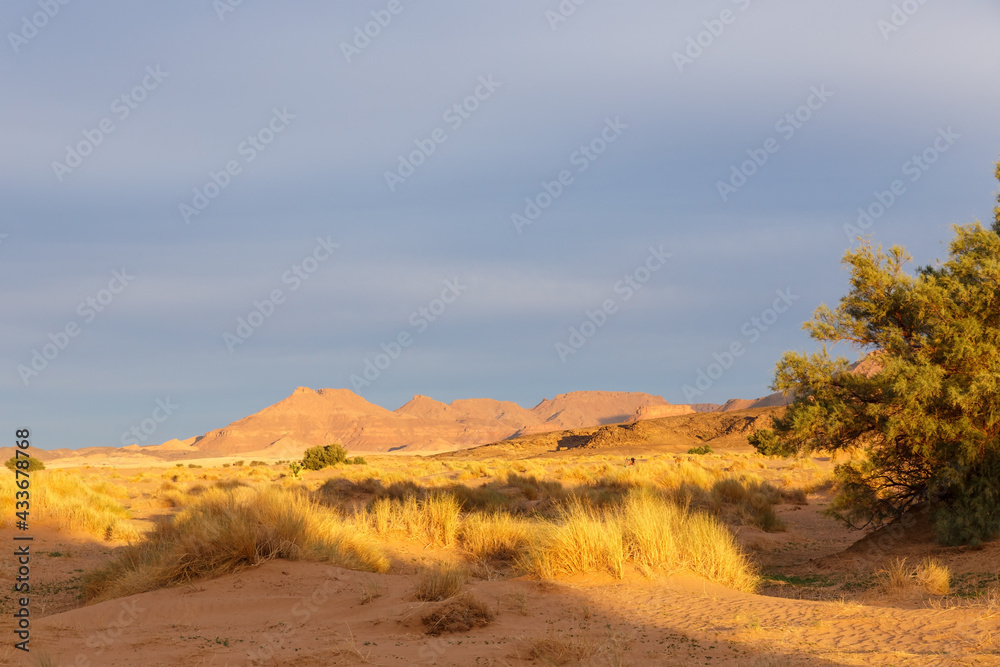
(29, 465)
(317, 458)
(704, 449)
(238, 464)
(921, 408)
(295, 468)
(258, 463)
(356, 461)
(767, 443)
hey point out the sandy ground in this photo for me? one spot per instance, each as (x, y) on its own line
(310, 614)
(817, 607)
(298, 613)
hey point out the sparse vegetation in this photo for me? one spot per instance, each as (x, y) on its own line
(228, 530)
(440, 583)
(62, 500)
(459, 615)
(920, 407)
(704, 449)
(317, 458)
(27, 464)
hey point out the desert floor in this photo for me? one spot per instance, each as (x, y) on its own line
(820, 602)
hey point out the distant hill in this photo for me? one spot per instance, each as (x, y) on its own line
(310, 417)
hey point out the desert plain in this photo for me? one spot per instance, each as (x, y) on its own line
(483, 533)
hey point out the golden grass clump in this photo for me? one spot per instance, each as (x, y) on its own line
(496, 536)
(440, 583)
(65, 500)
(931, 576)
(435, 518)
(646, 530)
(225, 530)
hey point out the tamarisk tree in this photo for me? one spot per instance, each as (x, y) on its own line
(920, 411)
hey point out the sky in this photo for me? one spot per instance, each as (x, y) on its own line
(207, 204)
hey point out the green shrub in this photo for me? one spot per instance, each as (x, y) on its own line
(317, 458)
(767, 443)
(704, 449)
(356, 461)
(31, 466)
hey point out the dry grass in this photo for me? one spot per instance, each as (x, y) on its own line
(64, 500)
(460, 614)
(654, 534)
(434, 519)
(224, 531)
(494, 536)
(440, 583)
(931, 576)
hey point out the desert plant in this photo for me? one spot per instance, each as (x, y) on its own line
(933, 576)
(27, 464)
(295, 468)
(497, 536)
(317, 458)
(459, 615)
(439, 583)
(63, 499)
(226, 530)
(704, 449)
(921, 403)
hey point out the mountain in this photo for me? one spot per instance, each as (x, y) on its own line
(580, 409)
(308, 418)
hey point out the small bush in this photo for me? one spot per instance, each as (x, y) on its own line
(439, 583)
(934, 577)
(238, 464)
(704, 449)
(193, 465)
(30, 465)
(258, 463)
(317, 458)
(459, 615)
(356, 461)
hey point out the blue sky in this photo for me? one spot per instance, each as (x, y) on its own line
(309, 128)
